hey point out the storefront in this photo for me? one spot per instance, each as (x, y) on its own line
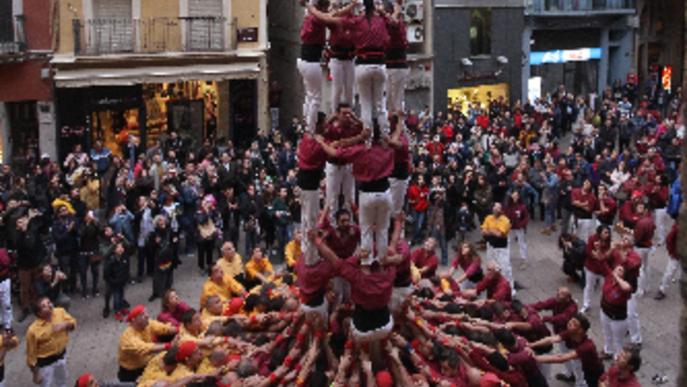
(460, 99)
(194, 108)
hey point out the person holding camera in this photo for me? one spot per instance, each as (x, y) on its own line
(49, 284)
(89, 256)
(65, 231)
(116, 275)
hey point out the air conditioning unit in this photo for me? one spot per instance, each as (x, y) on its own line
(414, 10)
(415, 33)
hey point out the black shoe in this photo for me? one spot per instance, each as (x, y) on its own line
(565, 378)
(659, 296)
(153, 298)
(106, 313)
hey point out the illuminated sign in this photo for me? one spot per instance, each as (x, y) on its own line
(562, 56)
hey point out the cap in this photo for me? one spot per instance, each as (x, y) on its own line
(186, 349)
(83, 380)
(235, 305)
(135, 311)
(637, 194)
(384, 379)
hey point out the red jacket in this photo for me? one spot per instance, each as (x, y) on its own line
(417, 197)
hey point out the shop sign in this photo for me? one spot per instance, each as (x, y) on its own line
(533, 89)
(562, 56)
(666, 77)
(248, 34)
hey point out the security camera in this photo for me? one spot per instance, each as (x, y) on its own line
(502, 59)
(466, 62)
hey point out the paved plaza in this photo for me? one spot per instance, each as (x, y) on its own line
(93, 346)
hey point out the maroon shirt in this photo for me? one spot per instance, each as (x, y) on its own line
(611, 209)
(586, 197)
(594, 265)
(371, 164)
(338, 132)
(517, 214)
(343, 243)
(341, 38)
(561, 312)
(614, 299)
(469, 264)
(403, 273)
(671, 242)
(658, 198)
(632, 263)
(586, 353)
(612, 378)
(627, 214)
(310, 154)
(313, 280)
(398, 36)
(644, 231)
(371, 34)
(313, 31)
(497, 287)
(423, 258)
(369, 291)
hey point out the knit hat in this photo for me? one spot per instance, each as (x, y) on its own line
(186, 349)
(135, 311)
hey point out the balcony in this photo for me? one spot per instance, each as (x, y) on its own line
(579, 7)
(150, 36)
(12, 38)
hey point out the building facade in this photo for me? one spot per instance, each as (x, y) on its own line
(26, 108)
(477, 52)
(143, 68)
(585, 45)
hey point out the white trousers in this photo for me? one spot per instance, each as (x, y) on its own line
(573, 367)
(312, 82)
(585, 228)
(634, 325)
(645, 269)
(396, 88)
(370, 80)
(375, 208)
(343, 79)
(661, 219)
(339, 180)
(322, 310)
(54, 375)
(614, 333)
(671, 267)
(6, 303)
(592, 285)
(502, 257)
(397, 189)
(519, 234)
(310, 205)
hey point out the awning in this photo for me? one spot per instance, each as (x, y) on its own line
(138, 75)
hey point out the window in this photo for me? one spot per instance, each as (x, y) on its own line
(480, 31)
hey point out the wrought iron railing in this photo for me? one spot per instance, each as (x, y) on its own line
(12, 38)
(111, 36)
(562, 6)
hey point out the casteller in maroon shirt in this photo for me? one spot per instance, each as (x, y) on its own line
(370, 291)
(423, 258)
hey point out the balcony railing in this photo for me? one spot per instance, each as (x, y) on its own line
(12, 38)
(113, 36)
(561, 7)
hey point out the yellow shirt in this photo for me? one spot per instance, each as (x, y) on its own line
(231, 268)
(155, 372)
(292, 252)
(42, 342)
(135, 346)
(206, 367)
(210, 288)
(262, 266)
(501, 224)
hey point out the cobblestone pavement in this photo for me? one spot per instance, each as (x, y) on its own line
(93, 346)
